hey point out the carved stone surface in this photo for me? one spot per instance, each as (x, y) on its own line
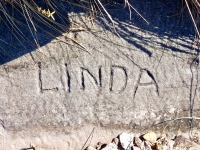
(140, 77)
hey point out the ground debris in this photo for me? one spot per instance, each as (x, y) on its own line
(126, 140)
(149, 141)
(150, 137)
(138, 142)
(110, 146)
(90, 148)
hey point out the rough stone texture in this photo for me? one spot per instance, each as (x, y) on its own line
(50, 96)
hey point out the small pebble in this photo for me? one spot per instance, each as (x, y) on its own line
(137, 141)
(115, 141)
(99, 145)
(90, 148)
(150, 137)
(136, 148)
(110, 146)
(126, 140)
(147, 145)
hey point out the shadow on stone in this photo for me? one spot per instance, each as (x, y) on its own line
(166, 19)
(25, 27)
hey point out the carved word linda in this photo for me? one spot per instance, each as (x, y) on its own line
(98, 79)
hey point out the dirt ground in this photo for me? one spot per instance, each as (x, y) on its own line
(89, 136)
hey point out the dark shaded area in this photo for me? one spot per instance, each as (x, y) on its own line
(20, 36)
(28, 148)
(25, 26)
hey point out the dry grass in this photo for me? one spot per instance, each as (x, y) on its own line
(46, 16)
(39, 15)
(193, 7)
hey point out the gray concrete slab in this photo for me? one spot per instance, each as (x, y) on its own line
(147, 74)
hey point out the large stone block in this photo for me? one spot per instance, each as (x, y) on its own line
(137, 78)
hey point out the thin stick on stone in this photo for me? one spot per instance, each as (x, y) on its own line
(88, 138)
